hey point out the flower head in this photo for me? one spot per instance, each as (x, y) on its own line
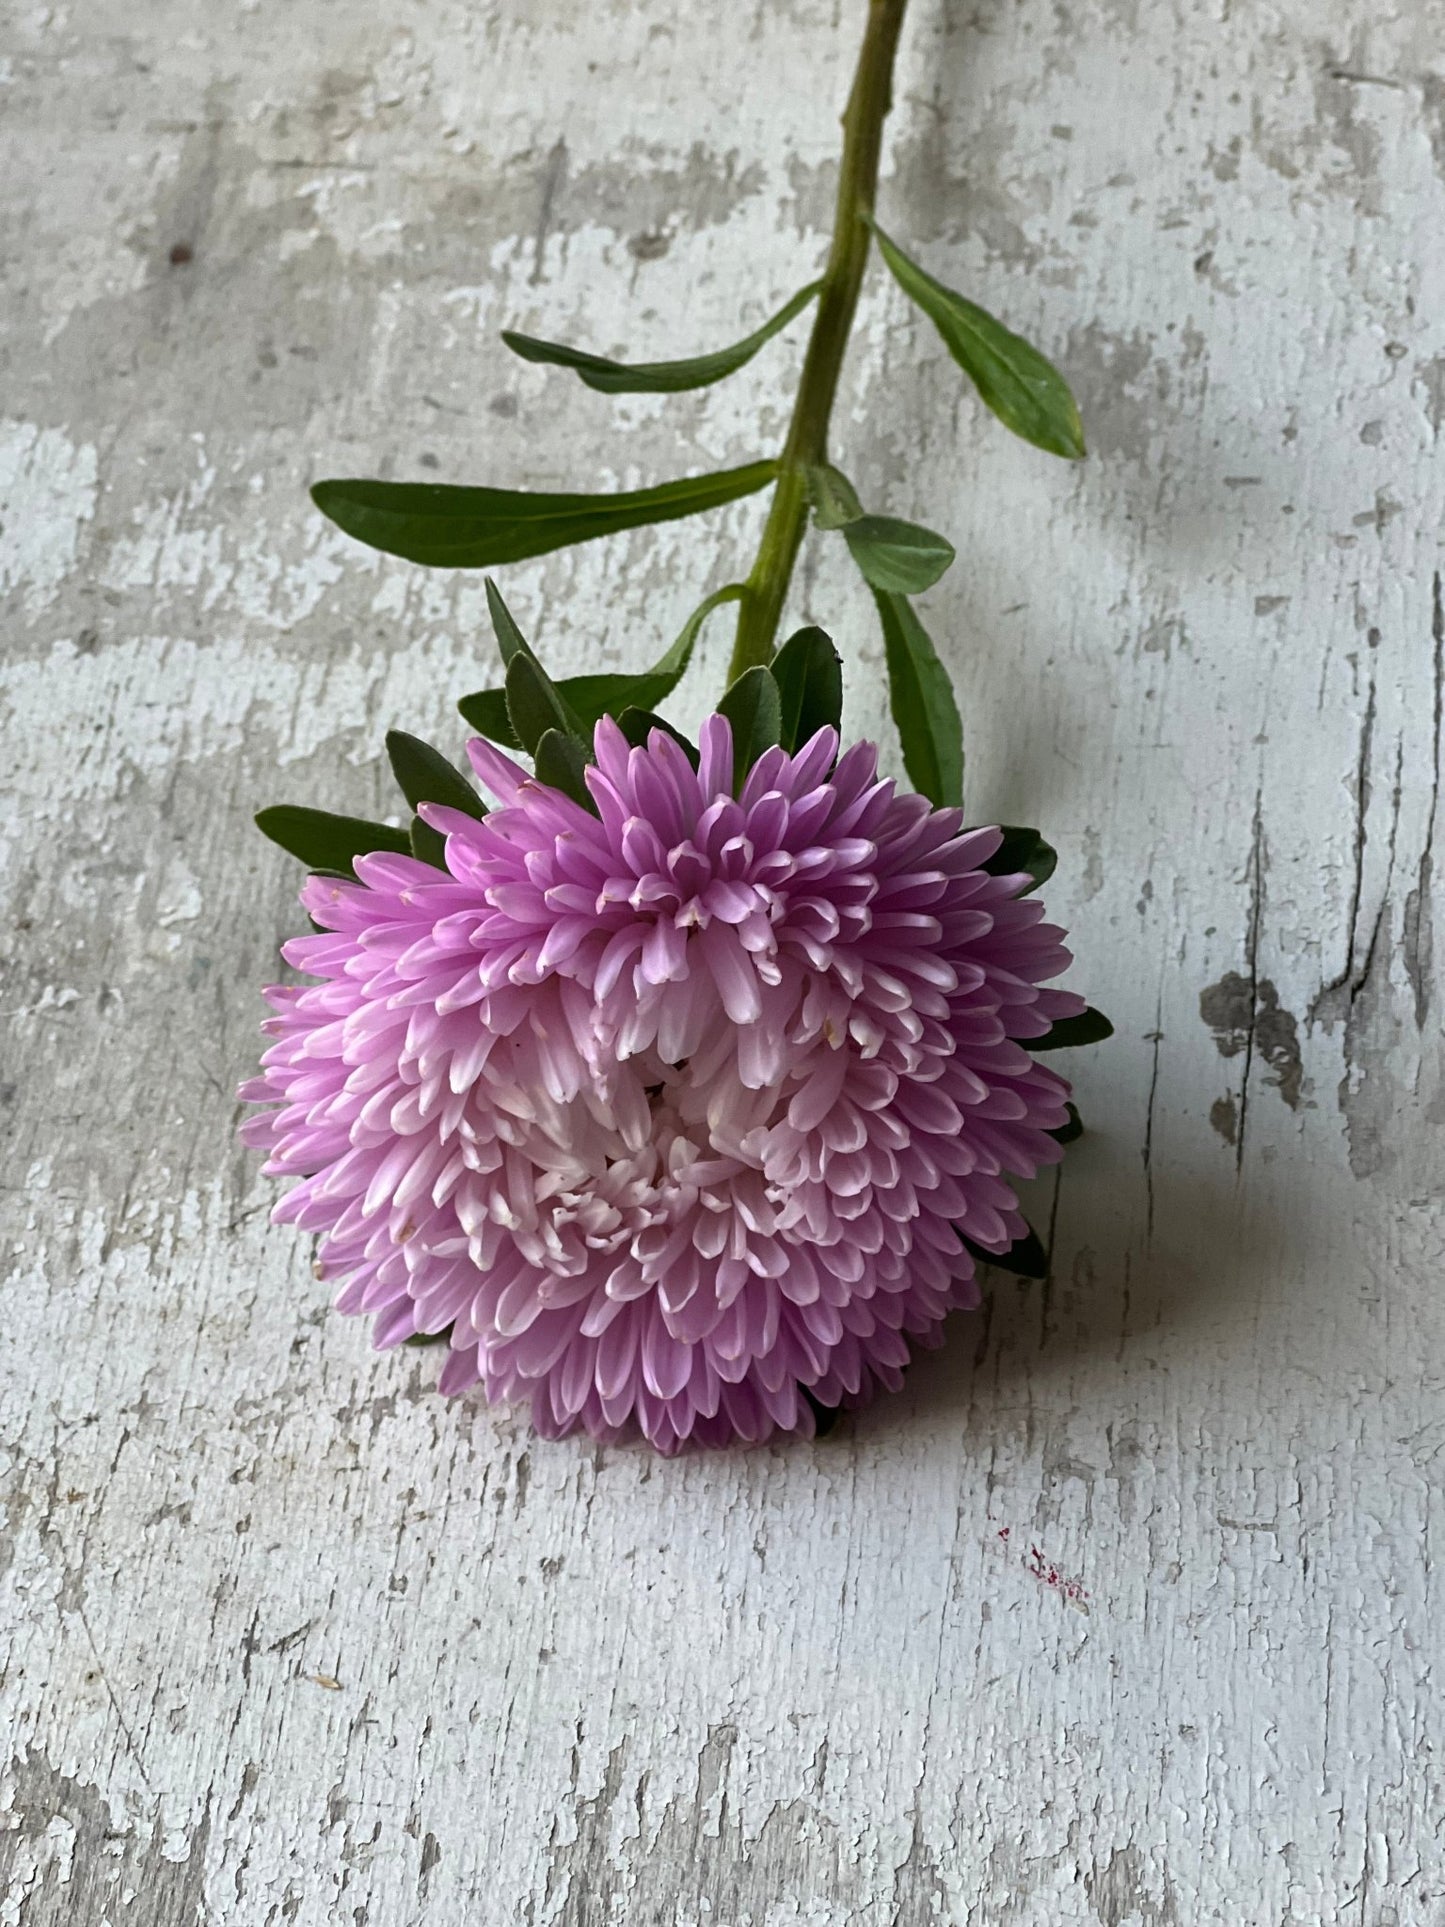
(676, 1112)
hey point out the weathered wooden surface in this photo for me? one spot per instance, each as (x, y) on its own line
(1125, 1612)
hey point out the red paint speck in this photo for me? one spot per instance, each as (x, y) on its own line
(1041, 1567)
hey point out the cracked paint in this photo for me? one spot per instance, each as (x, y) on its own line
(289, 1640)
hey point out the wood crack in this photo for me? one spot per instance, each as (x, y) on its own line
(1418, 939)
(1155, 1038)
(1324, 1008)
(1256, 912)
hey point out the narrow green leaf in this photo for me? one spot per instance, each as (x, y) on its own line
(1026, 392)
(534, 705)
(898, 557)
(427, 845)
(561, 763)
(921, 698)
(471, 528)
(674, 663)
(326, 842)
(426, 776)
(1023, 850)
(809, 675)
(834, 498)
(1066, 1133)
(1089, 1027)
(591, 697)
(754, 708)
(486, 711)
(638, 724)
(510, 639)
(659, 377)
(429, 1338)
(1025, 1256)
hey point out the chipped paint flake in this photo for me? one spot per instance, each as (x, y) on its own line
(47, 496)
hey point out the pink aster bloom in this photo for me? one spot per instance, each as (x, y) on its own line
(670, 1112)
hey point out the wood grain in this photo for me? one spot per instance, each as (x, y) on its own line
(1126, 1611)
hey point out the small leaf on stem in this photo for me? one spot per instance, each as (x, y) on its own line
(561, 763)
(534, 705)
(1025, 1257)
(510, 640)
(327, 842)
(1022, 850)
(426, 776)
(921, 698)
(1089, 1027)
(638, 724)
(754, 708)
(825, 1417)
(427, 845)
(834, 498)
(486, 711)
(809, 675)
(592, 697)
(899, 557)
(659, 377)
(1026, 392)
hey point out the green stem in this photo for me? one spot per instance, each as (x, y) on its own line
(807, 444)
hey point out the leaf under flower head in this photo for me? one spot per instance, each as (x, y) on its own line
(590, 698)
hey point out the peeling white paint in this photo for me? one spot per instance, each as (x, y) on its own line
(1125, 1613)
(47, 495)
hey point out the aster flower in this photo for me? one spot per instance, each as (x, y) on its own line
(674, 1113)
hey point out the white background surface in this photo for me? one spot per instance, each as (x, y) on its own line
(1125, 1612)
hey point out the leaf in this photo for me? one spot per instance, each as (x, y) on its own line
(1025, 1256)
(1026, 392)
(899, 557)
(1066, 1133)
(427, 845)
(638, 724)
(921, 698)
(561, 763)
(510, 639)
(754, 708)
(1023, 850)
(534, 705)
(470, 528)
(486, 711)
(428, 1338)
(592, 697)
(326, 842)
(1089, 1027)
(809, 675)
(659, 377)
(825, 1417)
(426, 776)
(834, 498)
